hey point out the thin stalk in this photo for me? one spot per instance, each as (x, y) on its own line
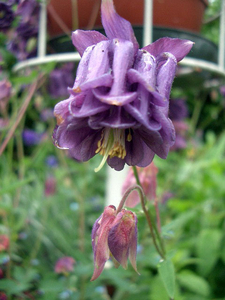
(157, 214)
(147, 214)
(75, 17)
(153, 229)
(21, 113)
(21, 168)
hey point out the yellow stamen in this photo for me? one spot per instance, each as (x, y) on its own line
(111, 144)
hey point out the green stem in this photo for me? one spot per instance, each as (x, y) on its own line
(153, 228)
(147, 214)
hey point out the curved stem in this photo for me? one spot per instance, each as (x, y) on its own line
(147, 214)
(153, 228)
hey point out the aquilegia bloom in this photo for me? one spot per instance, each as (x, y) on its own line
(114, 235)
(118, 105)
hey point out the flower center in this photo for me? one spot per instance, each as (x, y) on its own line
(111, 144)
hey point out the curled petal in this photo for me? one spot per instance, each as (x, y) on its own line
(179, 48)
(122, 238)
(166, 74)
(100, 239)
(134, 76)
(86, 105)
(83, 39)
(115, 26)
(122, 61)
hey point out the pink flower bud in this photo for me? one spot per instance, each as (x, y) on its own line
(114, 235)
(64, 265)
(4, 242)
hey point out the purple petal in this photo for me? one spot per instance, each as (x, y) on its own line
(123, 235)
(115, 100)
(83, 39)
(116, 163)
(138, 153)
(103, 80)
(166, 75)
(141, 78)
(86, 105)
(115, 26)
(82, 70)
(61, 111)
(94, 69)
(140, 110)
(179, 48)
(133, 245)
(122, 61)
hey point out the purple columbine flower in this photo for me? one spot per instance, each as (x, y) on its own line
(114, 235)
(6, 16)
(118, 105)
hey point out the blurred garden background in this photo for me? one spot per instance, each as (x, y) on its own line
(49, 202)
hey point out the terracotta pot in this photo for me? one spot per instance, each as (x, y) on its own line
(179, 14)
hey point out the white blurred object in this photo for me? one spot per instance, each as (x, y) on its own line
(114, 184)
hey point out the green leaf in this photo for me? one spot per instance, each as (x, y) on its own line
(167, 274)
(12, 287)
(194, 283)
(208, 249)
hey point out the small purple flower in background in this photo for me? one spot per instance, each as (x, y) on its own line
(46, 114)
(147, 177)
(5, 89)
(6, 16)
(28, 11)
(178, 111)
(5, 93)
(28, 14)
(222, 90)
(114, 235)
(31, 137)
(64, 265)
(119, 102)
(60, 79)
(52, 161)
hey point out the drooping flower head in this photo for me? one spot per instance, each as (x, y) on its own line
(118, 106)
(114, 235)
